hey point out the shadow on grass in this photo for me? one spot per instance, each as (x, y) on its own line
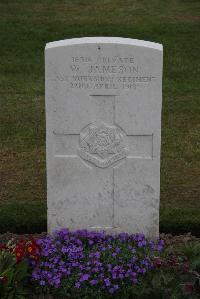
(23, 217)
(30, 218)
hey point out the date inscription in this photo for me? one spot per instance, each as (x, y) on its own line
(103, 72)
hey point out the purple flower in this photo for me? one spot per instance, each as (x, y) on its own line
(141, 244)
(134, 280)
(64, 249)
(107, 282)
(84, 277)
(97, 254)
(93, 282)
(114, 275)
(117, 249)
(91, 256)
(77, 285)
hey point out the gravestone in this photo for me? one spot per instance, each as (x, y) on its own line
(103, 130)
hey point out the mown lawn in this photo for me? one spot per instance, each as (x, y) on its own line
(25, 28)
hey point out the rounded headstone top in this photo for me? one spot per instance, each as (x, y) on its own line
(104, 40)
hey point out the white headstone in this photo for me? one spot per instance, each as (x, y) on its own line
(103, 116)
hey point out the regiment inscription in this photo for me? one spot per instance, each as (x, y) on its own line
(113, 72)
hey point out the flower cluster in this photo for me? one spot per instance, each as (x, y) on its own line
(181, 265)
(94, 259)
(21, 249)
(14, 265)
(172, 261)
(28, 248)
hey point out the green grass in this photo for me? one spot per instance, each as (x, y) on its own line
(25, 28)
(23, 218)
(18, 217)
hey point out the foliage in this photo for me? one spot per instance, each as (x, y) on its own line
(14, 267)
(172, 278)
(94, 265)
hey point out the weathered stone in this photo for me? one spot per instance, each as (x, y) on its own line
(103, 112)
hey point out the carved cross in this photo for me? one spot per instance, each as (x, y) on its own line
(102, 143)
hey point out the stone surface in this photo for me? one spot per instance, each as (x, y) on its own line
(103, 117)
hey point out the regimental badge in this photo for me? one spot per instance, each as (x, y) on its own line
(102, 145)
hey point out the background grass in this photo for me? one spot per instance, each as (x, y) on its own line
(26, 26)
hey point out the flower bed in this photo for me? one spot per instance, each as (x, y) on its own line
(85, 264)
